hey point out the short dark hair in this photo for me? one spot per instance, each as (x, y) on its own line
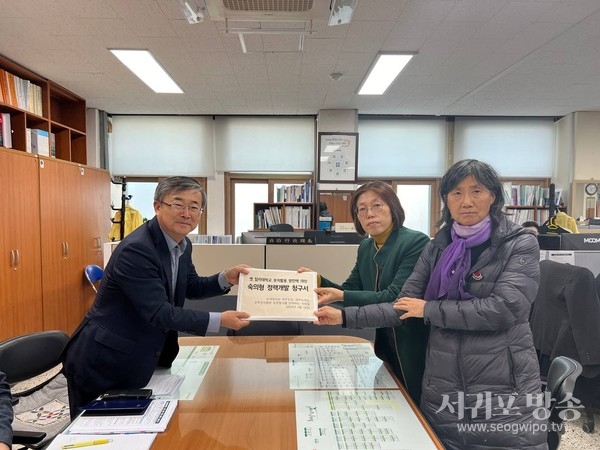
(484, 174)
(387, 194)
(174, 185)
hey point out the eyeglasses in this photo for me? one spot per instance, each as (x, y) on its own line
(179, 208)
(375, 208)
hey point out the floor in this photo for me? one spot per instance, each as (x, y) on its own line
(577, 439)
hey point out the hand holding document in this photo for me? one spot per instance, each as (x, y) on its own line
(278, 295)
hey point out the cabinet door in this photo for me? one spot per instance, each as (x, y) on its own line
(95, 193)
(62, 243)
(20, 264)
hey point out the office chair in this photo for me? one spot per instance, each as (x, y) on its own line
(560, 383)
(94, 274)
(281, 227)
(40, 396)
(564, 322)
(269, 328)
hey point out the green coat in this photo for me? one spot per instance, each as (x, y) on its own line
(403, 347)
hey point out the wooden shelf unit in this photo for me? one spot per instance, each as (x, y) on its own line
(63, 114)
(299, 215)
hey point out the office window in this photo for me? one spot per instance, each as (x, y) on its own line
(161, 146)
(416, 200)
(514, 147)
(245, 195)
(394, 148)
(141, 191)
(265, 144)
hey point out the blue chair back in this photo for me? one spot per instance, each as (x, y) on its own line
(94, 274)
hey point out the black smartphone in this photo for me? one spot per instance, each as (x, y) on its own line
(116, 407)
(126, 394)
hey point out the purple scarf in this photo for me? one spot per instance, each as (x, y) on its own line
(448, 277)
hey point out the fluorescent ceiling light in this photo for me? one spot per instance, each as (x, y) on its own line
(341, 11)
(147, 69)
(383, 72)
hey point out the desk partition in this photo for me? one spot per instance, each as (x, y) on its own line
(334, 261)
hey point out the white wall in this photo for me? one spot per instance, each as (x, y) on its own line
(586, 155)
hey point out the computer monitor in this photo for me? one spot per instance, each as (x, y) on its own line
(331, 237)
(254, 237)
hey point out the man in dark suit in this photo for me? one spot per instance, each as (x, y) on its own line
(6, 414)
(132, 326)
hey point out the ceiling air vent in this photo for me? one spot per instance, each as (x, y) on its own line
(268, 10)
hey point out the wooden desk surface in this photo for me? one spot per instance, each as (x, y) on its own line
(245, 401)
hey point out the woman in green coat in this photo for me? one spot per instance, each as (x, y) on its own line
(384, 261)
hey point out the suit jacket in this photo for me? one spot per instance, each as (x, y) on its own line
(122, 338)
(566, 315)
(6, 411)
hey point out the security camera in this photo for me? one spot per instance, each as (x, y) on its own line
(192, 15)
(193, 12)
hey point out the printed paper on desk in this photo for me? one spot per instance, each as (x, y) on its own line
(278, 295)
(116, 441)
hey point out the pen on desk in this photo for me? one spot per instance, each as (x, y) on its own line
(86, 443)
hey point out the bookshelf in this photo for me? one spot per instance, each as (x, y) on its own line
(293, 204)
(527, 199)
(299, 215)
(31, 102)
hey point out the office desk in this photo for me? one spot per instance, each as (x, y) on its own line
(244, 401)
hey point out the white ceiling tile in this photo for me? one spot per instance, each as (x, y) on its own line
(507, 57)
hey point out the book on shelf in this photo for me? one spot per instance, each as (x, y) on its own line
(53, 145)
(5, 131)
(40, 142)
(525, 194)
(20, 92)
(28, 140)
(295, 193)
(12, 90)
(211, 238)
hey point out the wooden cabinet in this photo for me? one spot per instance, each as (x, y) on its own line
(62, 243)
(299, 215)
(58, 211)
(338, 204)
(58, 216)
(20, 264)
(74, 205)
(96, 214)
(44, 105)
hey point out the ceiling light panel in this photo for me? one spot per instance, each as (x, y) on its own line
(383, 72)
(143, 64)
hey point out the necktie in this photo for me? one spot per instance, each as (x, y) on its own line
(175, 254)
